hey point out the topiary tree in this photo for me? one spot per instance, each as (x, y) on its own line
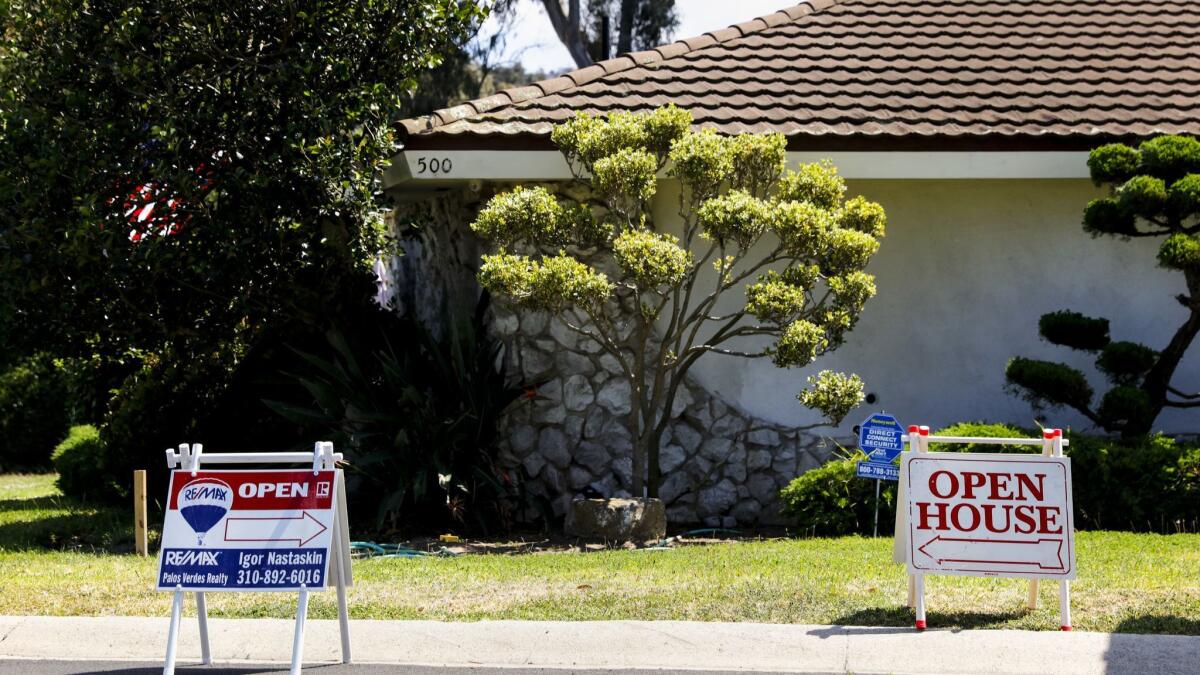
(600, 264)
(1155, 192)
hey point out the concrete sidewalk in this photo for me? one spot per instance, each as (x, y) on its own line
(612, 645)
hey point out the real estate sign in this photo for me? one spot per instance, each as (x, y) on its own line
(989, 515)
(268, 530)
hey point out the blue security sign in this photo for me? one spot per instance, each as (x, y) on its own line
(881, 439)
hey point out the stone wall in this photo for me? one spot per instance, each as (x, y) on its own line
(722, 466)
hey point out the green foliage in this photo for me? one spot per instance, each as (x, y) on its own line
(651, 259)
(852, 291)
(664, 126)
(833, 394)
(551, 283)
(774, 299)
(82, 464)
(985, 430)
(800, 344)
(1055, 383)
(627, 174)
(1180, 252)
(758, 161)
(1107, 215)
(702, 161)
(737, 217)
(1151, 484)
(736, 197)
(267, 126)
(1184, 198)
(1126, 362)
(1113, 163)
(1144, 195)
(33, 412)
(1170, 157)
(1074, 330)
(818, 184)
(848, 252)
(167, 401)
(1126, 406)
(804, 227)
(417, 419)
(862, 215)
(831, 501)
(525, 215)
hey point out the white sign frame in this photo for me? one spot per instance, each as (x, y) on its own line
(918, 439)
(188, 458)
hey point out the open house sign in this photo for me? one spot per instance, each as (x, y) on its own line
(990, 515)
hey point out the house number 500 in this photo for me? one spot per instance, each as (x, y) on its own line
(434, 165)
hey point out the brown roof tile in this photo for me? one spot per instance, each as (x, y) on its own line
(888, 69)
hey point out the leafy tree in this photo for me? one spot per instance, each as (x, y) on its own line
(742, 216)
(181, 181)
(1154, 192)
(585, 29)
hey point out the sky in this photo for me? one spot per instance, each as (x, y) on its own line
(532, 41)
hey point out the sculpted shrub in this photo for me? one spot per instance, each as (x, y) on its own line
(787, 240)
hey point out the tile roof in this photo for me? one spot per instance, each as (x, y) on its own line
(887, 71)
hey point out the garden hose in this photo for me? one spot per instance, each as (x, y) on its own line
(369, 549)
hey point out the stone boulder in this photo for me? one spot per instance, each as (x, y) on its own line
(617, 520)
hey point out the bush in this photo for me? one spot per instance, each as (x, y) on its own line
(1147, 486)
(82, 464)
(417, 416)
(1153, 485)
(33, 412)
(985, 430)
(830, 500)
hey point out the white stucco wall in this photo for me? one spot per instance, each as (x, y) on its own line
(966, 270)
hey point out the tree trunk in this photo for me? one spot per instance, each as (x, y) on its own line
(625, 34)
(568, 28)
(1159, 378)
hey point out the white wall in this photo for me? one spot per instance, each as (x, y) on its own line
(965, 272)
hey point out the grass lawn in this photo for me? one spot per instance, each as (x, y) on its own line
(1138, 583)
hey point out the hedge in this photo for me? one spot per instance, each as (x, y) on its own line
(1151, 485)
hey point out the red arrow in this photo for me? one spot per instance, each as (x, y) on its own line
(1045, 553)
(300, 529)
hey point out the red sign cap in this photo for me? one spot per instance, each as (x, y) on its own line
(1047, 434)
(924, 430)
(912, 428)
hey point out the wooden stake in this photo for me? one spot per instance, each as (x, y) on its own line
(139, 513)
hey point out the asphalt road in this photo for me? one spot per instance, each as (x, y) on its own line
(15, 667)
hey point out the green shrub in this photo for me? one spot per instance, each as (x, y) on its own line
(1055, 382)
(1151, 485)
(830, 500)
(1074, 330)
(82, 464)
(985, 430)
(33, 412)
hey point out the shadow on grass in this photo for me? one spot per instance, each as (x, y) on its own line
(64, 524)
(905, 617)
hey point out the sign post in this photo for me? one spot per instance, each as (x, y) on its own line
(996, 515)
(259, 530)
(881, 439)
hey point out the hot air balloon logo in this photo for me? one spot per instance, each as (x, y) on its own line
(203, 503)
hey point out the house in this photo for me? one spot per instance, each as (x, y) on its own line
(969, 120)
